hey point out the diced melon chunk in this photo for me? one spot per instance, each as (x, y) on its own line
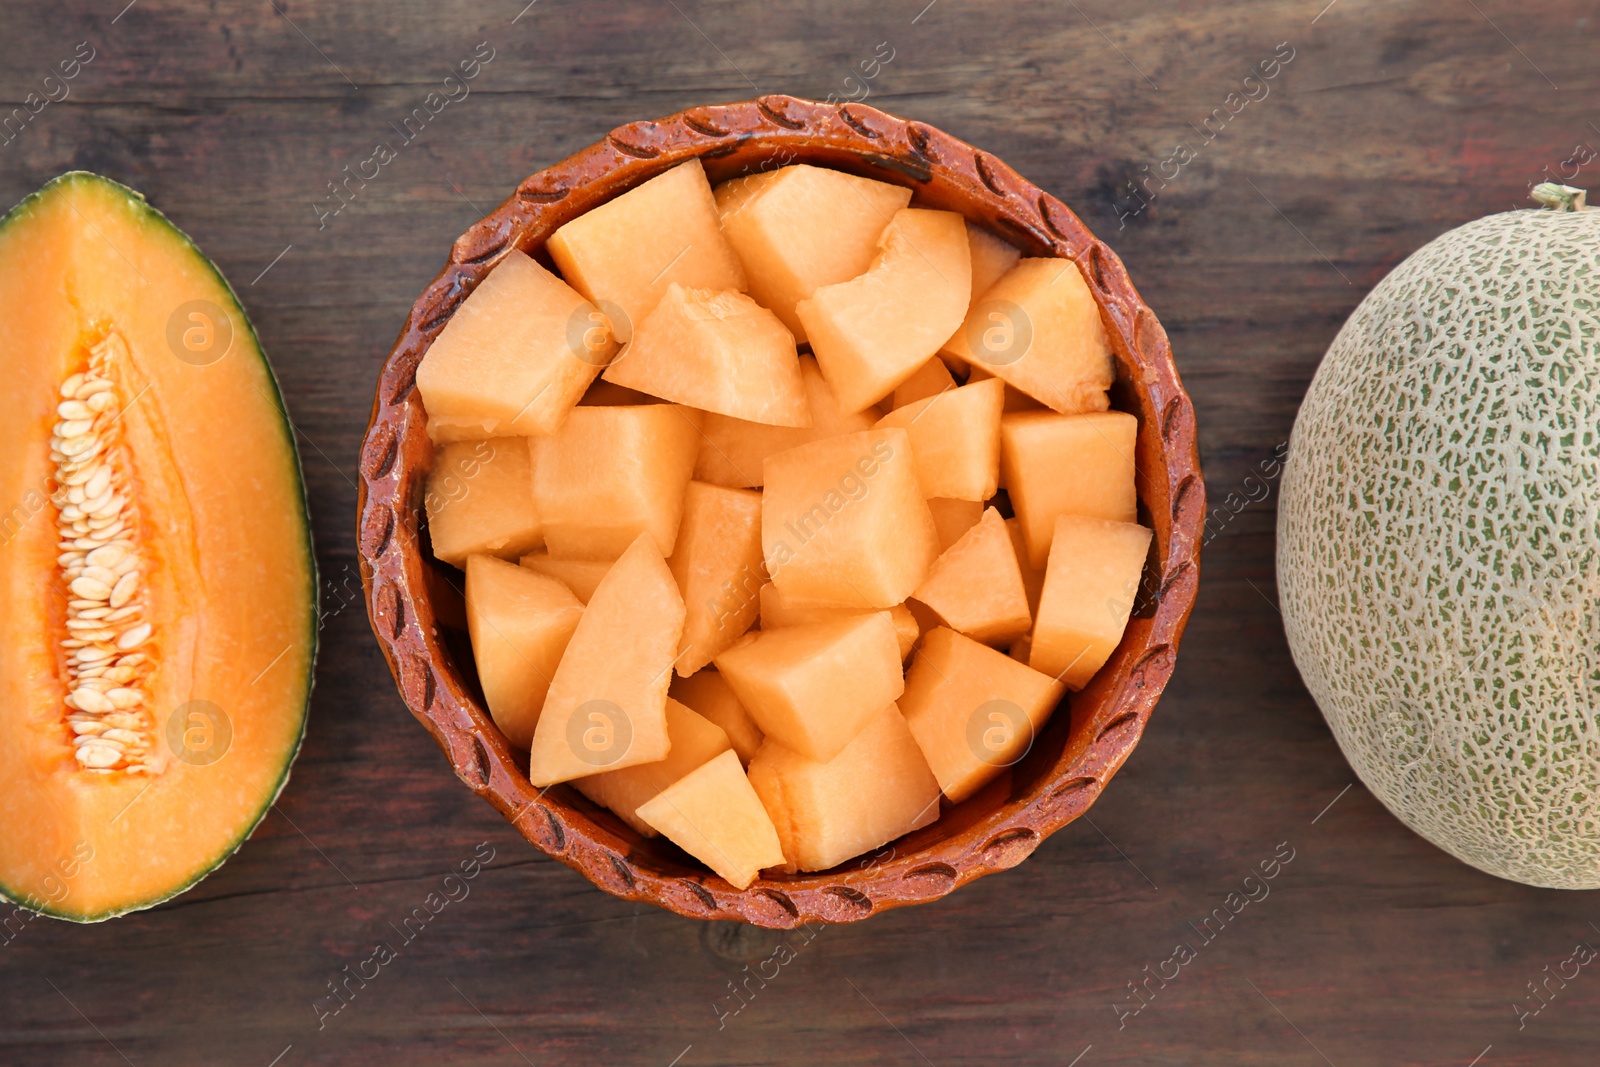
(976, 587)
(1089, 589)
(812, 687)
(878, 788)
(520, 623)
(623, 254)
(931, 379)
(778, 611)
(1032, 577)
(733, 450)
(802, 227)
(479, 498)
(843, 519)
(717, 351)
(872, 333)
(606, 705)
(736, 194)
(973, 711)
(1054, 465)
(1039, 328)
(717, 562)
(694, 740)
(992, 259)
(714, 815)
(708, 693)
(610, 474)
(952, 518)
(514, 358)
(955, 437)
(581, 576)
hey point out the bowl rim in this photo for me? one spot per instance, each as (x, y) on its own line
(1107, 718)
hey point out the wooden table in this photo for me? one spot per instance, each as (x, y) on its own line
(1388, 124)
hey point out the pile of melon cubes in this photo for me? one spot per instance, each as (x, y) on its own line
(752, 451)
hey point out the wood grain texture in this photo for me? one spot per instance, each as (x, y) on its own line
(1391, 124)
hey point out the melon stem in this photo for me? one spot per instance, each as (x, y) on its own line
(1559, 197)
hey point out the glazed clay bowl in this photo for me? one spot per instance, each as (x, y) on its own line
(416, 609)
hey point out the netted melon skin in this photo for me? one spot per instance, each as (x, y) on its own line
(1437, 544)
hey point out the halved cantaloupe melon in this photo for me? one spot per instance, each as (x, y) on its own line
(156, 574)
(931, 379)
(717, 563)
(955, 438)
(778, 611)
(514, 358)
(716, 351)
(714, 815)
(953, 518)
(872, 332)
(708, 693)
(520, 622)
(479, 498)
(1055, 465)
(976, 587)
(876, 789)
(812, 687)
(973, 711)
(610, 474)
(802, 227)
(605, 708)
(1089, 588)
(624, 254)
(693, 738)
(582, 576)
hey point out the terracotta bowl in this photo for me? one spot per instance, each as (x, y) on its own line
(415, 604)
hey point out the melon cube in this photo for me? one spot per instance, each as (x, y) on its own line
(1032, 577)
(714, 815)
(1016, 399)
(843, 519)
(610, 474)
(708, 693)
(976, 587)
(514, 358)
(717, 562)
(736, 194)
(520, 623)
(581, 576)
(955, 438)
(974, 711)
(1039, 328)
(733, 450)
(694, 739)
(717, 351)
(625, 253)
(778, 611)
(878, 788)
(1054, 465)
(813, 687)
(952, 518)
(872, 332)
(992, 259)
(606, 706)
(802, 227)
(1089, 589)
(479, 498)
(931, 379)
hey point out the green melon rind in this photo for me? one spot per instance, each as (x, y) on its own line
(153, 216)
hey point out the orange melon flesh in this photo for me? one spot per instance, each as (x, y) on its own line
(717, 351)
(1053, 465)
(875, 790)
(803, 227)
(955, 438)
(606, 706)
(1039, 328)
(694, 739)
(714, 815)
(973, 711)
(625, 253)
(976, 587)
(813, 687)
(736, 194)
(520, 622)
(843, 520)
(778, 611)
(610, 474)
(953, 518)
(732, 451)
(1032, 577)
(872, 332)
(514, 358)
(219, 510)
(708, 693)
(581, 576)
(992, 259)
(717, 564)
(1089, 589)
(479, 499)
(931, 379)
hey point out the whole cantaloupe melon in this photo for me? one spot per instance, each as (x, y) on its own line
(1439, 544)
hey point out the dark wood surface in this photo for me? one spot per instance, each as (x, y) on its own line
(1391, 124)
